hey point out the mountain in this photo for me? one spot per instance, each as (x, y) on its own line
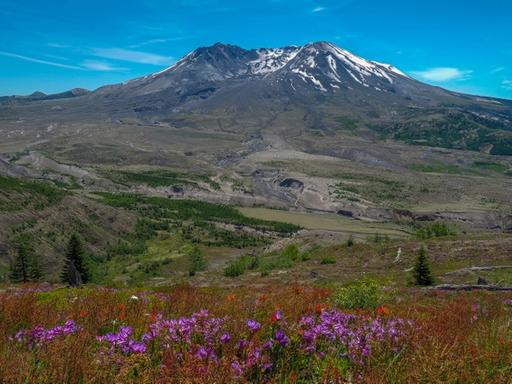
(313, 126)
(247, 84)
(36, 96)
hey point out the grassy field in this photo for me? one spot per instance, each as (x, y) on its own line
(330, 222)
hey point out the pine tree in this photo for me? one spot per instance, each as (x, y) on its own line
(34, 269)
(421, 273)
(25, 267)
(74, 272)
(19, 270)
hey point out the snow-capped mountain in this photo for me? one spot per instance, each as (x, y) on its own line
(318, 82)
(322, 66)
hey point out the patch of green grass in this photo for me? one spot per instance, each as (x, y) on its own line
(437, 167)
(490, 166)
(327, 260)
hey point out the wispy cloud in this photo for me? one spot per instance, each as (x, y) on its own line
(507, 84)
(57, 45)
(442, 74)
(132, 56)
(101, 66)
(159, 40)
(318, 9)
(498, 70)
(40, 61)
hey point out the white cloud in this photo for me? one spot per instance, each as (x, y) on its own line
(58, 45)
(507, 84)
(132, 56)
(39, 61)
(101, 66)
(318, 9)
(159, 40)
(441, 74)
(498, 69)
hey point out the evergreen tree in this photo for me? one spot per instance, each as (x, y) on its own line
(19, 270)
(421, 273)
(74, 272)
(34, 269)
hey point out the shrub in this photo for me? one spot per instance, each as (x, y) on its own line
(350, 241)
(437, 229)
(197, 261)
(364, 293)
(239, 266)
(327, 260)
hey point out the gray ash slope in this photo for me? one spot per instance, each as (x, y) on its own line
(319, 80)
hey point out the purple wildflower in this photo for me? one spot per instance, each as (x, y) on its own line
(281, 338)
(225, 338)
(235, 365)
(253, 325)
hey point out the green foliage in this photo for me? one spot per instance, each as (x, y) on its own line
(16, 194)
(437, 167)
(327, 260)
(74, 272)
(196, 261)
(238, 267)
(159, 207)
(160, 178)
(361, 294)
(25, 267)
(210, 235)
(436, 229)
(490, 166)
(451, 130)
(421, 272)
(285, 259)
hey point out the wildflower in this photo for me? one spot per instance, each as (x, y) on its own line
(122, 340)
(268, 344)
(225, 338)
(383, 310)
(39, 335)
(235, 365)
(508, 302)
(83, 313)
(202, 353)
(277, 316)
(281, 338)
(231, 298)
(253, 325)
(134, 298)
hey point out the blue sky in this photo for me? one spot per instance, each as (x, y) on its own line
(54, 45)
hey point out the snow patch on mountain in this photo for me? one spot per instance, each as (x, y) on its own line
(271, 60)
